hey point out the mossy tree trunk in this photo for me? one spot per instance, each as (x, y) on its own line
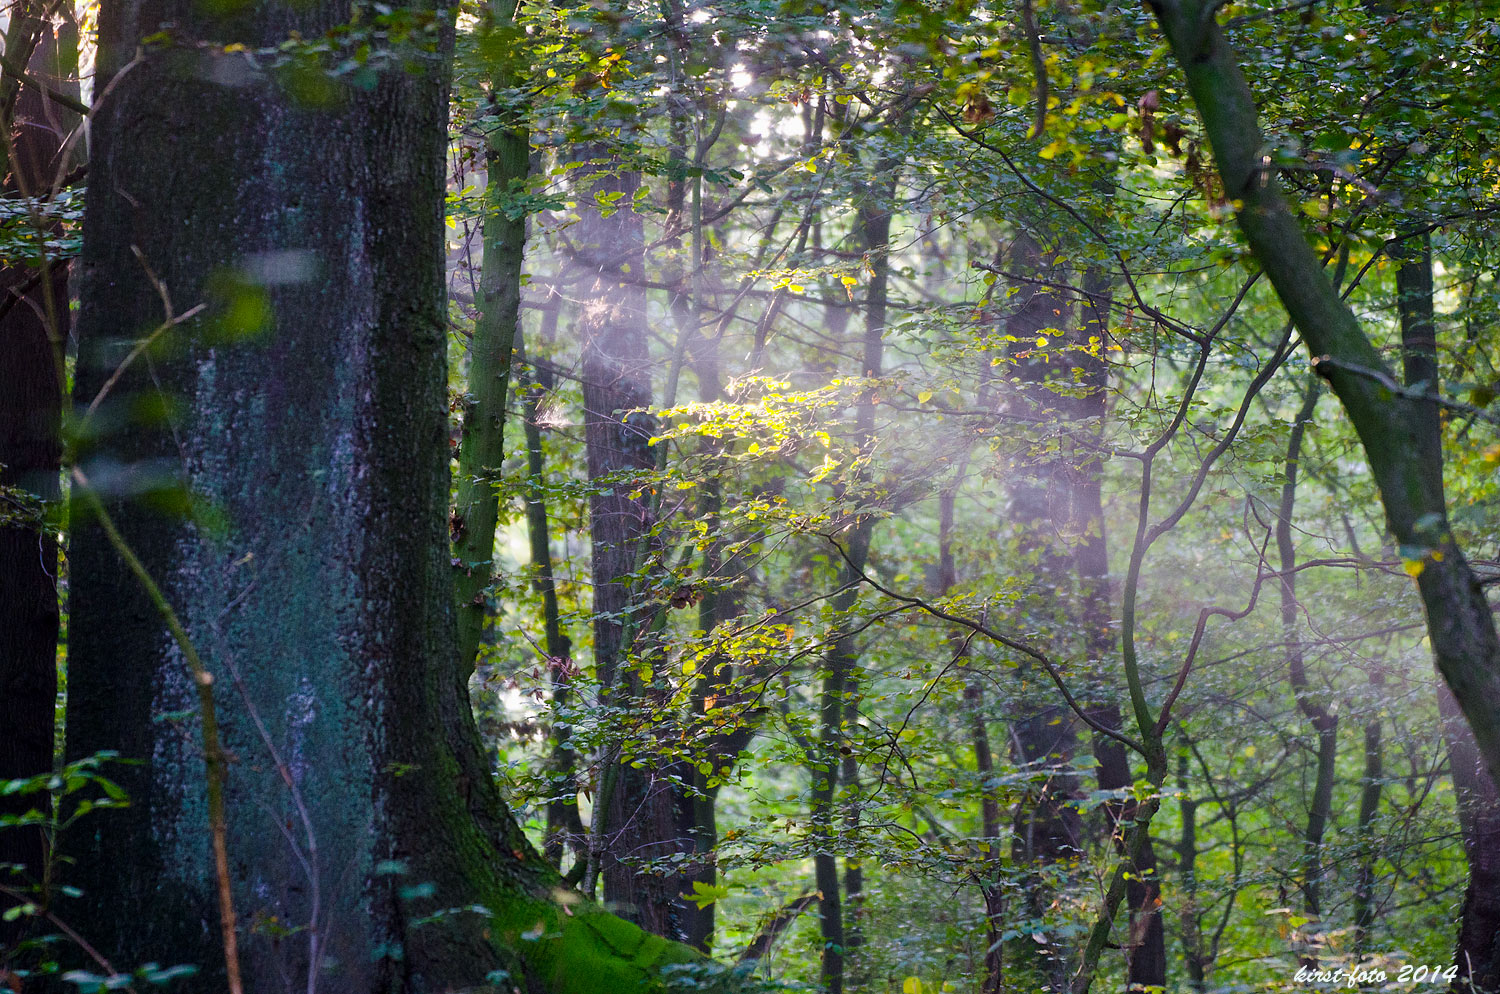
(304, 412)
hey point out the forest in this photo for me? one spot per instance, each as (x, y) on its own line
(593, 496)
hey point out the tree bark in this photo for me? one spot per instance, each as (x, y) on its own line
(1147, 958)
(313, 571)
(564, 826)
(1048, 830)
(873, 229)
(1369, 810)
(1478, 953)
(637, 801)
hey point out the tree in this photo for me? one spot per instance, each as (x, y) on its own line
(33, 326)
(1388, 418)
(298, 418)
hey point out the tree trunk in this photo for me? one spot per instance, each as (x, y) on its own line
(1325, 723)
(873, 229)
(637, 802)
(33, 329)
(564, 826)
(482, 448)
(304, 412)
(1147, 958)
(1369, 809)
(1047, 827)
(1478, 954)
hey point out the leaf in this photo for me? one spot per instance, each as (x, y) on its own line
(1414, 567)
(911, 985)
(705, 894)
(924, 396)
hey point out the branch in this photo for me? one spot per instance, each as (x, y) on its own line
(73, 105)
(1008, 641)
(773, 927)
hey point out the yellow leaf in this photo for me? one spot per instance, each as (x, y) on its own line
(911, 985)
(924, 396)
(1041, 341)
(1414, 567)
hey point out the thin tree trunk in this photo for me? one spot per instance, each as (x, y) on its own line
(32, 334)
(1187, 867)
(990, 888)
(564, 826)
(873, 224)
(1323, 721)
(1369, 810)
(481, 450)
(1147, 957)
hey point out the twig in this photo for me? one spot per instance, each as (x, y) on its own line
(1008, 641)
(65, 929)
(213, 750)
(135, 354)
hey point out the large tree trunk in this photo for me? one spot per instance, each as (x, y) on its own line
(305, 412)
(33, 328)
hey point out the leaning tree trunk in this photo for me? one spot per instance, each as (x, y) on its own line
(33, 327)
(304, 412)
